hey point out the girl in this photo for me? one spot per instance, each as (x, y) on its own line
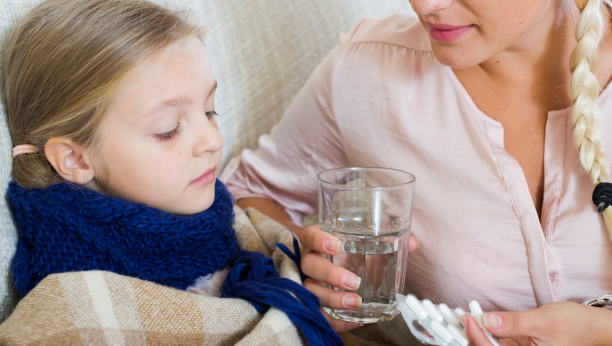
(496, 107)
(111, 110)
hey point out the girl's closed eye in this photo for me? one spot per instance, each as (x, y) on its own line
(168, 135)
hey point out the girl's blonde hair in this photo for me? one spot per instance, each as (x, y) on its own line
(63, 64)
(583, 90)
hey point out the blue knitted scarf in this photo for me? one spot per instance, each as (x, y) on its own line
(66, 227)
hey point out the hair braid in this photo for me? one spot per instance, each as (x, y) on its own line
(583, 90)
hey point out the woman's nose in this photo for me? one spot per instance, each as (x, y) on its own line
(424, 7)
(209, 138)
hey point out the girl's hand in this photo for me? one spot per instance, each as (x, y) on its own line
(558, 324)
(322, 271)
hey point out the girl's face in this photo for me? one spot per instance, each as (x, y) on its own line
(464, 33)
(160, 144)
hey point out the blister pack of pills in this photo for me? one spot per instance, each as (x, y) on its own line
(438, 324)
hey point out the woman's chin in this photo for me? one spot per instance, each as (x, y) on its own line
(456, 57)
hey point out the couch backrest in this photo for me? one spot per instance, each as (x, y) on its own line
(261, 51)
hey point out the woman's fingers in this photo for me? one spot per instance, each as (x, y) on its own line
(509, 342)
(331, 298)
(339, 326)
(474, 332)
(413, 244)
(315, 238)
(322, 270)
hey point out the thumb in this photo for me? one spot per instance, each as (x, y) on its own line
(511, 323)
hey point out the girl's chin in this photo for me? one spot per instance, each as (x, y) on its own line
(191, 207)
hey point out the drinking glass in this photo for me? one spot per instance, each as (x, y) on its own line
(370, 210)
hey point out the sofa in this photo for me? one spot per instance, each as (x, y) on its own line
(261, 51)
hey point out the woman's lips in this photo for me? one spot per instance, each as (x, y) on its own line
(205, 179)
(447, 33)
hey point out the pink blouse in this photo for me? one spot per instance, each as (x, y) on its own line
(380, 98)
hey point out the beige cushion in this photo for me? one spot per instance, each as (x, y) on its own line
(262, 52)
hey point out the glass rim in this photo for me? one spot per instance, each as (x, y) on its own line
(411, 180)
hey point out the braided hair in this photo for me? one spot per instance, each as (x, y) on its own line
(586, 116)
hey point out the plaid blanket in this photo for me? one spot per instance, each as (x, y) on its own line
(103, 308)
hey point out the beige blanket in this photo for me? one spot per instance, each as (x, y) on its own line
(103, 308)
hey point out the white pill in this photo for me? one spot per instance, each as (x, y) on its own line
(448, 315)
(441, 331)
(416, 307)
(432, 311)
(459, 336)
(476, 312)
(475, 307)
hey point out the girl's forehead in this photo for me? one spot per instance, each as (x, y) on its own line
(176, 65)
(178, 75)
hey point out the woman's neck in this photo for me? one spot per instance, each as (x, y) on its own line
(538, 63)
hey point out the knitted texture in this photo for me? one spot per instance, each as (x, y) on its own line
(66, 228)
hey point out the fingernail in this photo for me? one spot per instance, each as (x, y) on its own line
(418, 242)
(351, 325)
(492, 320)
(351, 281)
(351, 302)
(332, 245)
(465, 322)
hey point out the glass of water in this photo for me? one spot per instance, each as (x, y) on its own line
(370, 210)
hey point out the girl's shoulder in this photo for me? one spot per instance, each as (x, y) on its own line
(402, 29)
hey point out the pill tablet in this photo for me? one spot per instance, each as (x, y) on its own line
(444, 334)
(475, 307)
(476, 312)
(416, 307)
(448, 315)
(432, 311)
(459, 336)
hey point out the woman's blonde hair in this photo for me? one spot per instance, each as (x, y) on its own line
(583, 90)
(64, 62)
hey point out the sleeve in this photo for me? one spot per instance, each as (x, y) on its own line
(306, 141)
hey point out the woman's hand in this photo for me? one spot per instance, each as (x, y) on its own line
(322, 271)
(557, 324)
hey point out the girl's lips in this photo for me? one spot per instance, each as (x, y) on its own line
(205, 179)
(447, 33)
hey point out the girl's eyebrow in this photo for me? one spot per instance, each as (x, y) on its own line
(177, 101)
(169, 103)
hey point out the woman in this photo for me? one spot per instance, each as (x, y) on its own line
(486, 103)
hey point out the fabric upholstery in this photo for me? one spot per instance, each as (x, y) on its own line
(261, 51)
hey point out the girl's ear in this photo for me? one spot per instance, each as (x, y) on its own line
(70, 160)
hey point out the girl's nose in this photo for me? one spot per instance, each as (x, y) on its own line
(209, 138)
(424, 7)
